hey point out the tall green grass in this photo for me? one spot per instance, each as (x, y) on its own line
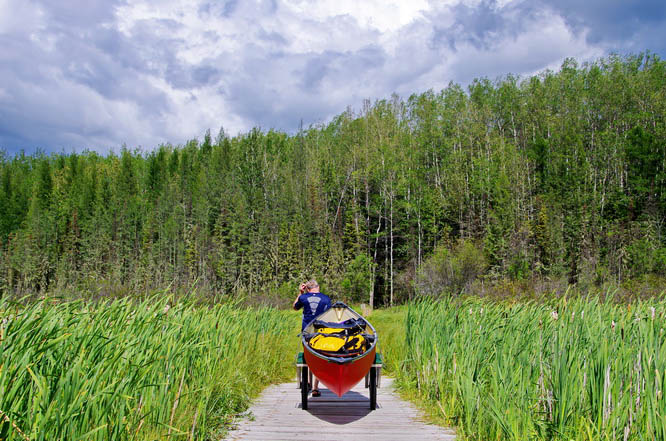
(390, 326)
(135, 371)
(571, 370)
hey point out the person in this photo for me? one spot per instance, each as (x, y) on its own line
(313, 303)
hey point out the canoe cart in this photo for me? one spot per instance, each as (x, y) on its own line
(340, 349)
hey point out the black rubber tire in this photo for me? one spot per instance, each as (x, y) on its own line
(304, 388)
(373, 388)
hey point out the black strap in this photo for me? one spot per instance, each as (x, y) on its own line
(347, 324)
(308, 336)
(350, 343)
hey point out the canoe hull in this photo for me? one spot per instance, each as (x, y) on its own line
(340, 378)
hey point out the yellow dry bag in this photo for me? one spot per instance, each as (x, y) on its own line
(335, 340)
(327, 343)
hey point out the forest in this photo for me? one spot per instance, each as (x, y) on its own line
(548, 181)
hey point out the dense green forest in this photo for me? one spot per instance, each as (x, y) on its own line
(560, 177)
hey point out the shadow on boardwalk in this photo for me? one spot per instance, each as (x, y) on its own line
(351, 407)
(277, 415)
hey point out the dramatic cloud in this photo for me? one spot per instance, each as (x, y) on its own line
(99, 73)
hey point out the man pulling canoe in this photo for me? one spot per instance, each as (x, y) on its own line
(313, 303)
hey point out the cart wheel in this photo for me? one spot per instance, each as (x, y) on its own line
(304, 388)
(373, 388)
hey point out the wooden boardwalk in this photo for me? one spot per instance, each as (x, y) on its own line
(277, 415)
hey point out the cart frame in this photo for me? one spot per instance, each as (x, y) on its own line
(372, 379)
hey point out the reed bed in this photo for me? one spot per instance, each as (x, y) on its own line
(571, 370)
(135, 371)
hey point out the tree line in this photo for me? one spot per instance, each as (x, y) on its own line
(561, 175)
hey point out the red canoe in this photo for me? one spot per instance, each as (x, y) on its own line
(340, 372)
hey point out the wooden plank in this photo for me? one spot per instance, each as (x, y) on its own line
(276, 416)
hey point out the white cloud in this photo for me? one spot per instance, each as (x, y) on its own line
(543, 44)
(20, 16)
(102, 72)
(384, 16)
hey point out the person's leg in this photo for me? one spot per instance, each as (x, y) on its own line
(315, 388)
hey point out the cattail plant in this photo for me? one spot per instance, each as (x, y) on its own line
(123, 370)
(579, 369)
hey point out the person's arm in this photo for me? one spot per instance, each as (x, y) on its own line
(297, 305)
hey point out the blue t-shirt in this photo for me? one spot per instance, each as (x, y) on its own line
(313, 304)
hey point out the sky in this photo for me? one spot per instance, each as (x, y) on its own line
(99, 74)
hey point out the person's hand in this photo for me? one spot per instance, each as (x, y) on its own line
(302, 287)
